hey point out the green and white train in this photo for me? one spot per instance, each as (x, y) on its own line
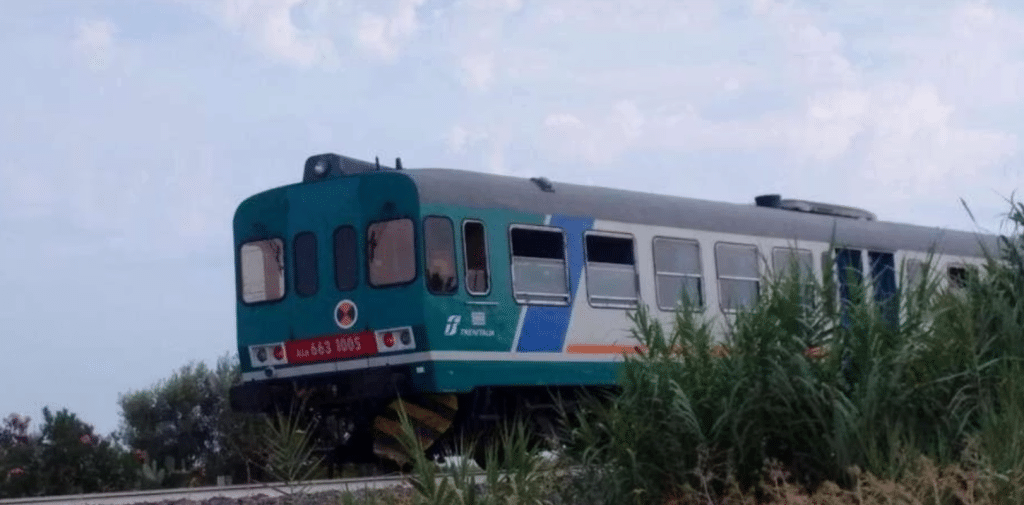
(475, 296)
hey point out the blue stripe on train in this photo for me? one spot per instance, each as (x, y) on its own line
(544, 328)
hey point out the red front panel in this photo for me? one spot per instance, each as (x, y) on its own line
(331, 348)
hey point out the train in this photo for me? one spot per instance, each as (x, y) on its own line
(468, 297)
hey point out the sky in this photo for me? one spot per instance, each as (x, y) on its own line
(130, 131)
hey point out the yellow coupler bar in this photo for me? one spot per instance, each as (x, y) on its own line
(431, 416)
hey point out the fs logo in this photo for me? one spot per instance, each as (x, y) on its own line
(452, 326)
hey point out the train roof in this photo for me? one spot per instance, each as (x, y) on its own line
(483, 190)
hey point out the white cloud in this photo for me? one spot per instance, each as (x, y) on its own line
(814, 54)
(94, 42)
(28, 194)
(461, 138)
(478, 70)
(972, 54)
(598, 140)
(268, 24)
(384, 35)
(479, 43)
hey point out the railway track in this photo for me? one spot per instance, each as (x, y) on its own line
(207, 493)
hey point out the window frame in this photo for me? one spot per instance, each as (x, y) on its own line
(701, 304)
(334, 257)
(284, 273)
(487, 257)
(415, 254)
(565, 265)
(454, 252)
(719, 277)
(616, 304)
(316, 263)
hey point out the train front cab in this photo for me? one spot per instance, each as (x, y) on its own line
(329, 291)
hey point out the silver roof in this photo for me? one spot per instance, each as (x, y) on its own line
(482, 190)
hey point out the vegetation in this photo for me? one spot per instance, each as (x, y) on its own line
(185, 430)
(63, 457)
(822, 391)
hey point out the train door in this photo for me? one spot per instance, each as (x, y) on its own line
(850, 272)
(324, 257)
(883, 285)
(476, 323)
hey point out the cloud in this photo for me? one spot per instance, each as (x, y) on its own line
(28, 194)
(478, 43)
(269, 25)
(384, 35)
(598, 140)
(94, 43)
(478, 71)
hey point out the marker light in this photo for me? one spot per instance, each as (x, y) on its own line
(261, 354)
(405, 337)
(279, 353)
(389, 339)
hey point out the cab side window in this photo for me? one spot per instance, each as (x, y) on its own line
(474, 238)
(439, 240)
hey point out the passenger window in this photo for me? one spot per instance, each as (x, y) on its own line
(262, 270)
(307, 281)
(474, 239)
(738, 276)
(957, 276)
(611, 271)
(346, 261)
(538, 266)
(439, 241)
(391, 252)
(788, 262)
(913, 273)
(677, 273)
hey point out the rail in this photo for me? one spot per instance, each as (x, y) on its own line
(204, 493)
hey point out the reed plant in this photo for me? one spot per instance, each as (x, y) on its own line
(828, 390)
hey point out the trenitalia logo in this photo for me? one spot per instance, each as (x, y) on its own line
(452, 326)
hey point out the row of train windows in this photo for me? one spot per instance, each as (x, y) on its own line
(390, 259)
(539, 267)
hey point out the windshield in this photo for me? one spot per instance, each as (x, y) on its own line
(262, 270)
(390, 252)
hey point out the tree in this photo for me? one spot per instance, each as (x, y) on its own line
(185, 424)
(64, 457)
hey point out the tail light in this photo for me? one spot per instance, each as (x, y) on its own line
(268, 355)
(396, 339)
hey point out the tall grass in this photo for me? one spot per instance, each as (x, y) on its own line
(943, 382)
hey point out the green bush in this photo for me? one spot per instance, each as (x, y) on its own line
(185, 429)
(816, 387)
(63, 457)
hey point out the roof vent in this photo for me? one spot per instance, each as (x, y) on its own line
(827, 209)
(544, 184)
